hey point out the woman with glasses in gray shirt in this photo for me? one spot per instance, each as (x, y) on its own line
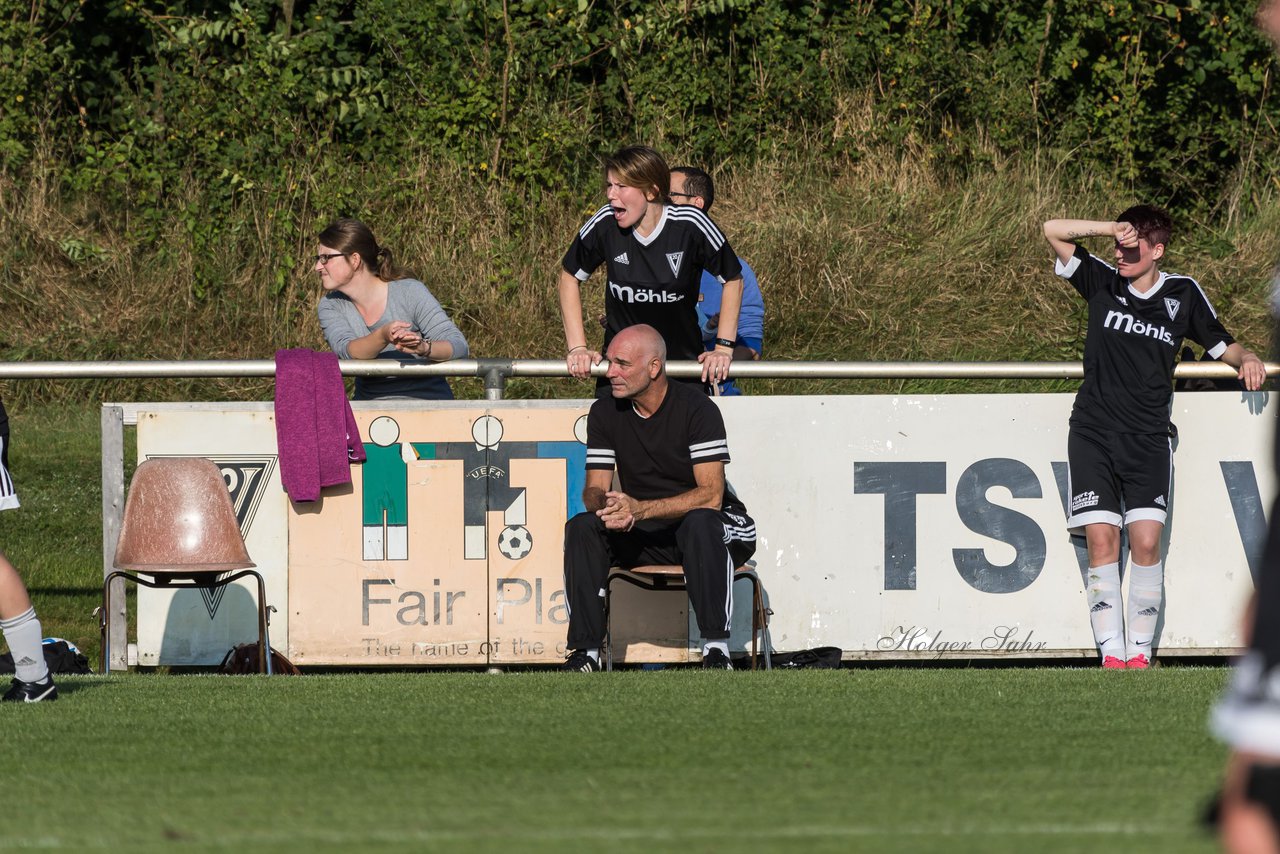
(372, 309)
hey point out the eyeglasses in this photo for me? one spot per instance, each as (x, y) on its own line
(683, 195)
(324, 259)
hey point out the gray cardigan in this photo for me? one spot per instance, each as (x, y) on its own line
(407, 299)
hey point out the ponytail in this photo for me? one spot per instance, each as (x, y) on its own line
(353, 237)
(385, 265)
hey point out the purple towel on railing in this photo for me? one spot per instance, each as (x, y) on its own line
(316, 433)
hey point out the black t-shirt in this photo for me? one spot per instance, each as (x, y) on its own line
(1133, 341)
(654, 279)
(655, 456)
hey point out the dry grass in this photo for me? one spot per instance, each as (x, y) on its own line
(890, 255)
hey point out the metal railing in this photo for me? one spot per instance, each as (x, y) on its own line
(496, 372)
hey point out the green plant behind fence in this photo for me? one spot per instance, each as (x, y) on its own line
(1170, 97)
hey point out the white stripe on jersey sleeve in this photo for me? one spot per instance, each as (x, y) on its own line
(604, 213)
(601, 457)
(1103, 262)
(1217, 350)
(1068, 269)
(1203, 296)
(718, 448)
(698, 218)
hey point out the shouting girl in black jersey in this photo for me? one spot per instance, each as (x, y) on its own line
(654, 254)
(1119, 451)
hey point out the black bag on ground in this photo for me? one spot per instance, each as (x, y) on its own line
(59, 655)
(818, 658)
(243, 658)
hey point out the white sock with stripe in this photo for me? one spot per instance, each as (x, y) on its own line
(1105, 614)
(1146, 590)
(23, 634)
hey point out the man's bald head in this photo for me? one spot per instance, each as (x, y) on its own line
(646, 342)
(637, 362)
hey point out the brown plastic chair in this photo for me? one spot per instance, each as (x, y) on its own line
(180, 530)
(665, 577)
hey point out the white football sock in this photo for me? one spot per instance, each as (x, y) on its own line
(1146, 590)
(1103, 594)
(721, 645)
(23, 634)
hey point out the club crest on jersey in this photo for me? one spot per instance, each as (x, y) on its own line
(622, 259)
(674, 258)
(1172, 306)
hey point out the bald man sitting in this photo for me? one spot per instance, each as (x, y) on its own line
(667, 443)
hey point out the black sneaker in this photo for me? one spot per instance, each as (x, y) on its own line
(32, 692)
(716, 660)
(579, 661)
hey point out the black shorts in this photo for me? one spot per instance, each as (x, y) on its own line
(1117, 478)
(1262, 788)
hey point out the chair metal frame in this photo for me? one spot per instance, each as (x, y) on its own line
(186, 579)
(180, 531)
(671, 577)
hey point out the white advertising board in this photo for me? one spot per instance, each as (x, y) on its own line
(921, 526)
(889, 527)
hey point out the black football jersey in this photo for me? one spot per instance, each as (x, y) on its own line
(654, 279)
(1133, 341)
(655, 456)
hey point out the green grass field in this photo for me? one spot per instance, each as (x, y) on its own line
(881, 759)
(868, 759)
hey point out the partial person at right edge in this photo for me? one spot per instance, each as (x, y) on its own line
(693, 186)
(372, 309)
(1247, 717)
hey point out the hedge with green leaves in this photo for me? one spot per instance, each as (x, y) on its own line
(138, 99)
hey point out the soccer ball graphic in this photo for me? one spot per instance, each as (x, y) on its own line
(515, 542)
